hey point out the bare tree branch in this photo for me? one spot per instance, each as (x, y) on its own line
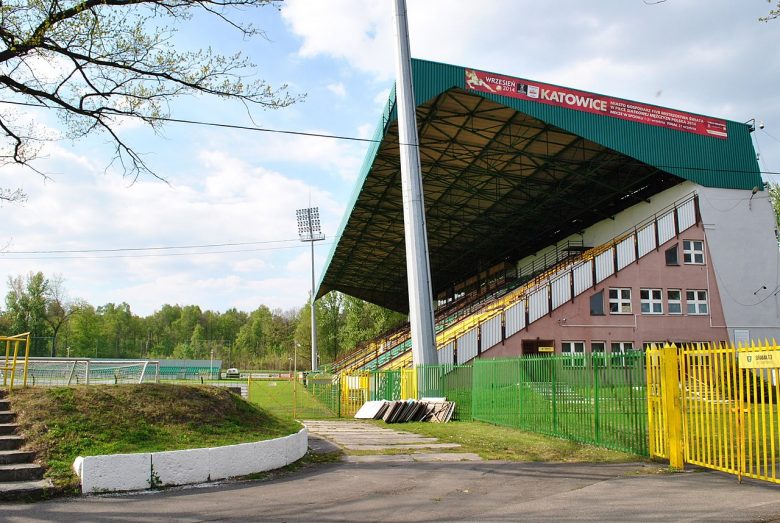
(95, 61)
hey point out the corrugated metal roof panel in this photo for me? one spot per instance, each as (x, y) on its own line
(712, 162)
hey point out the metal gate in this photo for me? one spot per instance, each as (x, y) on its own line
(716, 406)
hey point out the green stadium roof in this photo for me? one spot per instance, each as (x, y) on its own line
(505, 176)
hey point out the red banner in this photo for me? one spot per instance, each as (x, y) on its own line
(594, 103)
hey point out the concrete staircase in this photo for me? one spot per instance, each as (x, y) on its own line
(20, 477)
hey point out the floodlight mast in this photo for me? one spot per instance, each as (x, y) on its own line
(418, 269)
(309, 230)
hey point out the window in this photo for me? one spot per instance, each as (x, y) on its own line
(597, 350)
(671, 255)
(693, 252)
(573, 352)
(674, 301)
(620, 301)
(651, 301)
(696, 302)
(649, 345)
(618, 352)
(597, 304)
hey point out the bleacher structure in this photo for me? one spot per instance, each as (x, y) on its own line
(561, 221)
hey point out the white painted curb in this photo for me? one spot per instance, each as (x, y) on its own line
(122, 472)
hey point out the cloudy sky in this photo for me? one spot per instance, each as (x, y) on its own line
(238, 190)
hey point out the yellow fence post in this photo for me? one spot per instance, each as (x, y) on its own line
(26, 359)
(672, 410)
(5, 366)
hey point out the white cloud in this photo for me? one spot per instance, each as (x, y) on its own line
(381, 97)
(252, 265)
(714, 61)
(337, 156)
(366, 130)
(234, 202)
(342, 29)
(338, 89)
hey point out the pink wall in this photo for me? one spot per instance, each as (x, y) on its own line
(573, 322)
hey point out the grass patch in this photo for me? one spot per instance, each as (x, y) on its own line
(502, 443)
(278, 398)
(62, 423)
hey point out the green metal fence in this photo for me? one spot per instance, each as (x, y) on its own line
(591, 399)
(327, 390)
(453, 382)
(597, 399)
(385, 385)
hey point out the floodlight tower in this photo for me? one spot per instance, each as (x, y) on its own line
(309, 230)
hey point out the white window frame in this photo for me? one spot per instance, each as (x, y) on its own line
(616, 357)
(693, 252)
(653, 300)
(670, 302)
(696, 302)
(620, 301)
(574, 353)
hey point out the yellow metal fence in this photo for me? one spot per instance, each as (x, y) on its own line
(360, 387)
(16, 347)
(725, 398)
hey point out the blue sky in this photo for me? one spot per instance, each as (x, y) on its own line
(238, 186)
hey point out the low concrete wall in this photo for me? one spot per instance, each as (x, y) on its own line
(121, 472)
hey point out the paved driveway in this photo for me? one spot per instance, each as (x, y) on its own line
(438, 491)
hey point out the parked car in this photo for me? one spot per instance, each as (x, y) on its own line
(232, 373)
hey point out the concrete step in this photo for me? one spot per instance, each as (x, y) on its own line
(8, 428)
(11, 442)
(24, 490)
(20, 472)
(5, 404)
(7, 416)
(16, 456)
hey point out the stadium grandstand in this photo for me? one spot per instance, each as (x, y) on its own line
(561, 221)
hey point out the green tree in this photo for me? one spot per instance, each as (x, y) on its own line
(364, 321)
(774, 197)
(26, 306)
(330, 326)
(58, 309)
(98, 61)
(254, 337)
(117, 331)
(302, 336)
(83, 330)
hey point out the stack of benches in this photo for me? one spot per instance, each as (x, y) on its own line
(437, 410)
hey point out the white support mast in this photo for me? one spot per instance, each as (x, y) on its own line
(417, 265)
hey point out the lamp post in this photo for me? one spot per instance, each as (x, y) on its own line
(309, 230)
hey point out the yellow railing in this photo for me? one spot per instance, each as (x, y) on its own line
(355, 391)
(728, 406)
(497, 306)
(409, 383)
(13, 344)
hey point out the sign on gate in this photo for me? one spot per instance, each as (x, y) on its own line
(759, 360)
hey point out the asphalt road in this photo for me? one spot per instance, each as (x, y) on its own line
(430, 491)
